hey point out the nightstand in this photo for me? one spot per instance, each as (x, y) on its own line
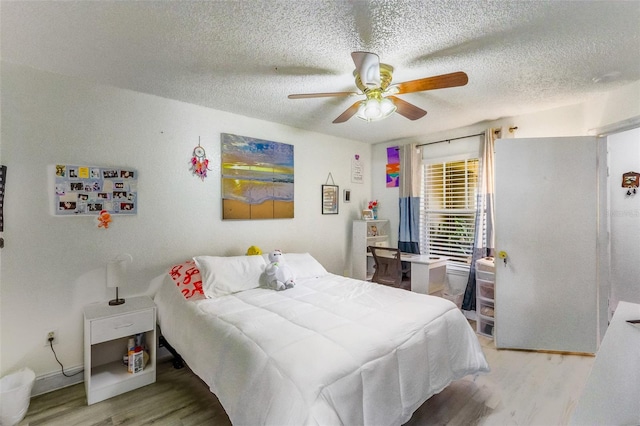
(107, 330)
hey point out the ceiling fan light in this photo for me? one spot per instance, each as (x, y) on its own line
(374, 109)
(387, 107)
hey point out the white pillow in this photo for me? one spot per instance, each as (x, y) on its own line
(303, 265)
(222, 275)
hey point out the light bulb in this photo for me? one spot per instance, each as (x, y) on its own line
(375, 109)
(387, 107)
(372, 109)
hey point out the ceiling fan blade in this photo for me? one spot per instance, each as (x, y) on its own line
(443, 81)
(368, 67)
(406, 109)
(321, 95)
(350, 112)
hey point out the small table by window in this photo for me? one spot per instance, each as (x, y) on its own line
(422, 268)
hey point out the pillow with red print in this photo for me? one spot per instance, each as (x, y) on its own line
(187, 277)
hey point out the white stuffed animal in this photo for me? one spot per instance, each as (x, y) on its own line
(279, 275)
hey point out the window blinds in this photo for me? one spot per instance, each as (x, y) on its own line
(448, 209)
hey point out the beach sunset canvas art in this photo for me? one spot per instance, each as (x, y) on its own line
(257, 178)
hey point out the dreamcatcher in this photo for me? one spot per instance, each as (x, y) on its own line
(199, 162)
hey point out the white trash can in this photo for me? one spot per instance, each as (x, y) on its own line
(456, 284)
(15, 395)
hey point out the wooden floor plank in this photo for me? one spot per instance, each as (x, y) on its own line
(523, 388)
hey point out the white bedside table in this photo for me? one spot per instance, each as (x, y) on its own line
(107, 330)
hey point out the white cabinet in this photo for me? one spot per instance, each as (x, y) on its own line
(107, 330)
(366, 233)
(485, 296)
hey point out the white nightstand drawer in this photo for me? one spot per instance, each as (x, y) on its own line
(112, 328)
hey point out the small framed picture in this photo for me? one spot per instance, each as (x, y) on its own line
(347, 195)
(330, 197)
(367, 214)
(631, 180)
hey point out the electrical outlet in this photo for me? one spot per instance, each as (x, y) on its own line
(53, 334)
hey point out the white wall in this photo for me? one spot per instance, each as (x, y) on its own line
(624, 213)
(53, 266)
(611, 107)
(599, 110)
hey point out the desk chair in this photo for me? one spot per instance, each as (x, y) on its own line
(388, 266)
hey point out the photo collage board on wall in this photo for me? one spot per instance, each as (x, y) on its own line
(87, 190)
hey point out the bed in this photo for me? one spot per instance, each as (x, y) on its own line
(330, 351)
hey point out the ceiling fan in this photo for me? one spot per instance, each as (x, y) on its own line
(374, 81)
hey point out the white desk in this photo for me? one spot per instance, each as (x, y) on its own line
(423, 279)
(612, 393)
(421, 266)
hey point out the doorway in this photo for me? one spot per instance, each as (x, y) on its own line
(624, 213)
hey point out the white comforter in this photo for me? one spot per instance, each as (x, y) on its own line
(330, 351)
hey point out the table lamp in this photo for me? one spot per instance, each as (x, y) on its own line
(116, 271)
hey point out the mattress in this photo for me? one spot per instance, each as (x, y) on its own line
(330, 351)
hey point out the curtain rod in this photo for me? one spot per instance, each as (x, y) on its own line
(511, 129)
(452, 139)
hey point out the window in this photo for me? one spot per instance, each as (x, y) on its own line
(448, 208)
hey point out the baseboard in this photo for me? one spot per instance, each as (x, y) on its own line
(54, 381)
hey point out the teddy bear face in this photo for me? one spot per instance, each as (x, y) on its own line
(275, 256)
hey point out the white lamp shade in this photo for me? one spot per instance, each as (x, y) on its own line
(387, 107)
(372, 109)
(116, 271)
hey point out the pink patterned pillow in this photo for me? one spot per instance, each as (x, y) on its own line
(187, 277)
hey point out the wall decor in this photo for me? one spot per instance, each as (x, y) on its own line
(257, 178)
(90, 190)
(104, 219)
(393, 167)
(631, 180)
(347, 195)
(330, 199)
(199, 162)
(357, 170)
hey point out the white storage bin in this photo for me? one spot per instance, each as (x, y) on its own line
(15, 395)
(456, 279)
(485, 309)
(485, 264)
(485, 276)
(485, 296)
(485, 327)
(485, 289)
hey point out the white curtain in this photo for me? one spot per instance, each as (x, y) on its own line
(485, 215)
(409, 189)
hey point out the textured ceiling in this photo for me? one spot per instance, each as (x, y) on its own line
(245, 57)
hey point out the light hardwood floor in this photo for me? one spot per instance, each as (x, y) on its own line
(523, 388)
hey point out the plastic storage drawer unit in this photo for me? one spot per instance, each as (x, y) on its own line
(485, 296)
